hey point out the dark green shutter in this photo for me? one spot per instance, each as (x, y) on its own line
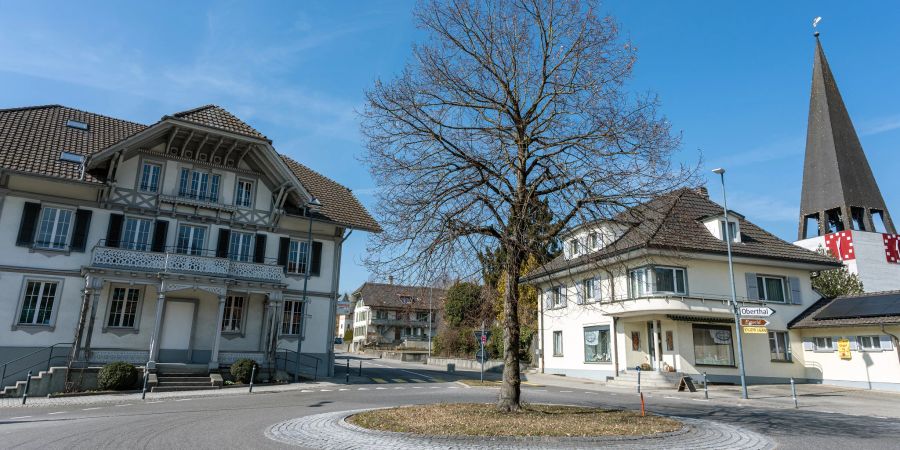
(80, 232)
(114, 230)
(259, 252)
(160, 230)
(284, 245)
(224, 240)
(28, 224)
(316, 266)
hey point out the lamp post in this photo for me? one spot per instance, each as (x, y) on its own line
(430, 298)
(311, 206)
(734, 306)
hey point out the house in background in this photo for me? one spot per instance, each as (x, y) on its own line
(344, 317)
(187, 241)
(395, 315)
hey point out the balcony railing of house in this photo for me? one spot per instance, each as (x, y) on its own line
(400, 322)
(185, 260)
(196, 199)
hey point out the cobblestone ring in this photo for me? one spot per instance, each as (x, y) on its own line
(330, 431)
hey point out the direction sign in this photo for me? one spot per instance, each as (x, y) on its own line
(757, 311)
(754, 322)
(756, 330)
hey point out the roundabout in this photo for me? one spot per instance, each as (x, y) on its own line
(332, 431)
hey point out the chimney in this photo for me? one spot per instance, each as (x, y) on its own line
(390, 279)
(703, 191)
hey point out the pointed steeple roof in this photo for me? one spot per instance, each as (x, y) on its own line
(836, 173)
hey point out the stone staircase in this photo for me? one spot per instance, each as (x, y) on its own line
(184, 377)
(650, 379)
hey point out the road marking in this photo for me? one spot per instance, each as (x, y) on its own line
(379, 380)
(380, 388)
(127, 404)
(399, 380)
(417, 387)
(452, 387)
(699, 400)
(564, 391)
(434, 387)
(20, 417)
(343, 389)
(183, 399)
(362, 389)
(58, 412)
(150, 403)
(398, 387)
(612, 393)
(91, 409)
(325, 390)
(417, 374)
(416, 380)
(306, 390)
(539, 390)
(667, 396)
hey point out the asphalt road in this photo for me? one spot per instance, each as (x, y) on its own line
(239, 421)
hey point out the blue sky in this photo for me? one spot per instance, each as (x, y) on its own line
(733, 78)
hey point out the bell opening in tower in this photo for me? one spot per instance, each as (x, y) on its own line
(833, 221)
(857, 218)
(811, 226)
(878, 221)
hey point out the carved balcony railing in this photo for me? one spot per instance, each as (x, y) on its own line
(175, 262)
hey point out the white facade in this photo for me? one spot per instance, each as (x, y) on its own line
(864, 253)
(872, 363)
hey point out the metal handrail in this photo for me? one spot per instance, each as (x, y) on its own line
(49, 359)
(287, 360)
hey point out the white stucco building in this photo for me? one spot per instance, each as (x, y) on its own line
(191, 240)
(395, 315)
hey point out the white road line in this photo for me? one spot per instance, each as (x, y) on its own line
(564, 391)
(417, 387)
(699, 400)
(305, 390)
(91, 409)
(449, 387)
(398, 387)
(150, 403)
(325, 390)
(20, 417)
(362, 389)
(434, 387)
(674, 398)
(183, 399)
(58, 412)
(380, 388)
(612, 393)
(343, 389)
(127, 404)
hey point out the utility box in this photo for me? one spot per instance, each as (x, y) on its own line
(451, 368)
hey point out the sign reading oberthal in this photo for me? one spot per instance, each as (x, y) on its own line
(757, 311)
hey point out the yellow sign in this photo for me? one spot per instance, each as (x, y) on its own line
(756, 330)
(843, 348)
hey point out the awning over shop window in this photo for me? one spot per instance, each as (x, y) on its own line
(699, 319)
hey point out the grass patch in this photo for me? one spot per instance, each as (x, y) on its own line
(478, 419)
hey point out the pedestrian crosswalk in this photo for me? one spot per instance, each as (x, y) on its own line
(407, 380)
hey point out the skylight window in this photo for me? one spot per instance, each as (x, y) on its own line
(77, 124)
(71, 157)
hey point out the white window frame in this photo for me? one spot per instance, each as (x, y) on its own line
(732, 229)
(294, 263)
(773, 338)
(557, 343)
(763, 290)
(587, 290)
(54, 306)
(194, 187)
(133, 242)
(557, 297)
(292, 318)
(594, 240)
(190, 249)
(238, 242)
(58, 239)
(873, 339)
(574, 247)
(233, 316)
(675, 270)
(121, 315)
(825, 340)
(642, 281)
(150, 184)
(639, 283)
(245, 199)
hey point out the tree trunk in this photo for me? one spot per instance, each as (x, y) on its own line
(511, 389)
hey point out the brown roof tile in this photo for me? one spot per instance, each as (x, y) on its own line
(217, 117)
(389, 295)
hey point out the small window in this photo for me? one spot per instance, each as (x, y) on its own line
(53, 232)
(234, 312)
(771, 289)
(639, 282)
(810, 226)
(596, 345)
(244, 193)
(878, 220)
(71, 157)
(150, 177)
(574, 247)
(240, 247)
(557, 343)
(298, 257)
(857, 218)
(823, 343)
(779, 346)
(669, 279)
(869, 343)
(78, 125)
(558, 297)
(732, 230)
(136, 234)
(37, 306)
(292, 317)
(198, 185)
(594, 240)
(834, 221)
(406, 299)
(191, 240)
(123, 307)
(587, 288)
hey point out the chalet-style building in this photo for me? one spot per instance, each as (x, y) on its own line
(190, 240)
(395, 315)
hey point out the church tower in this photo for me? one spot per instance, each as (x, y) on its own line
(841, 207)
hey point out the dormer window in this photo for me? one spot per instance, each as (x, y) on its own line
(594, 241)
(574, 247)
(732, 231)
(721, 229)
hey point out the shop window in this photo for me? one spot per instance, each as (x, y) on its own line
(596, 344)
(712, 345)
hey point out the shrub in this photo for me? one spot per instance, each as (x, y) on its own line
(117, 376)
(241, 370)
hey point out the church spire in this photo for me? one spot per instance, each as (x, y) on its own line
(839, 190)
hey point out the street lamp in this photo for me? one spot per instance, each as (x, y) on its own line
(734, 306)
(311, 207)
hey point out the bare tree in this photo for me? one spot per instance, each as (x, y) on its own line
(508, 104)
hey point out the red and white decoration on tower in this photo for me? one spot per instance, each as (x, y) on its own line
(892, 247)
(840, 245)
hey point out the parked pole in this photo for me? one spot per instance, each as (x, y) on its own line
(252, 377)
(27, 385)
(794, 393)
(360, 367)
(144, 389)
(639, 381)
(642, 404)
(705, 386)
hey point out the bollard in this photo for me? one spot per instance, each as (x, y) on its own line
(705, 386)
(639, 380)
(144, 389)
(252, 376)
(794, 393)
(642, 404)
(27, 385)
(360, 367)
(347, 380)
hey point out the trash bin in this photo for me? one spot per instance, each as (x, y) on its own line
(451, 368)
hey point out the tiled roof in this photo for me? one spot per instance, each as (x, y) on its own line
(807, 319)
(389, 295)
(339, 205)
(31, 139)
(673, 222)
(217, 117)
